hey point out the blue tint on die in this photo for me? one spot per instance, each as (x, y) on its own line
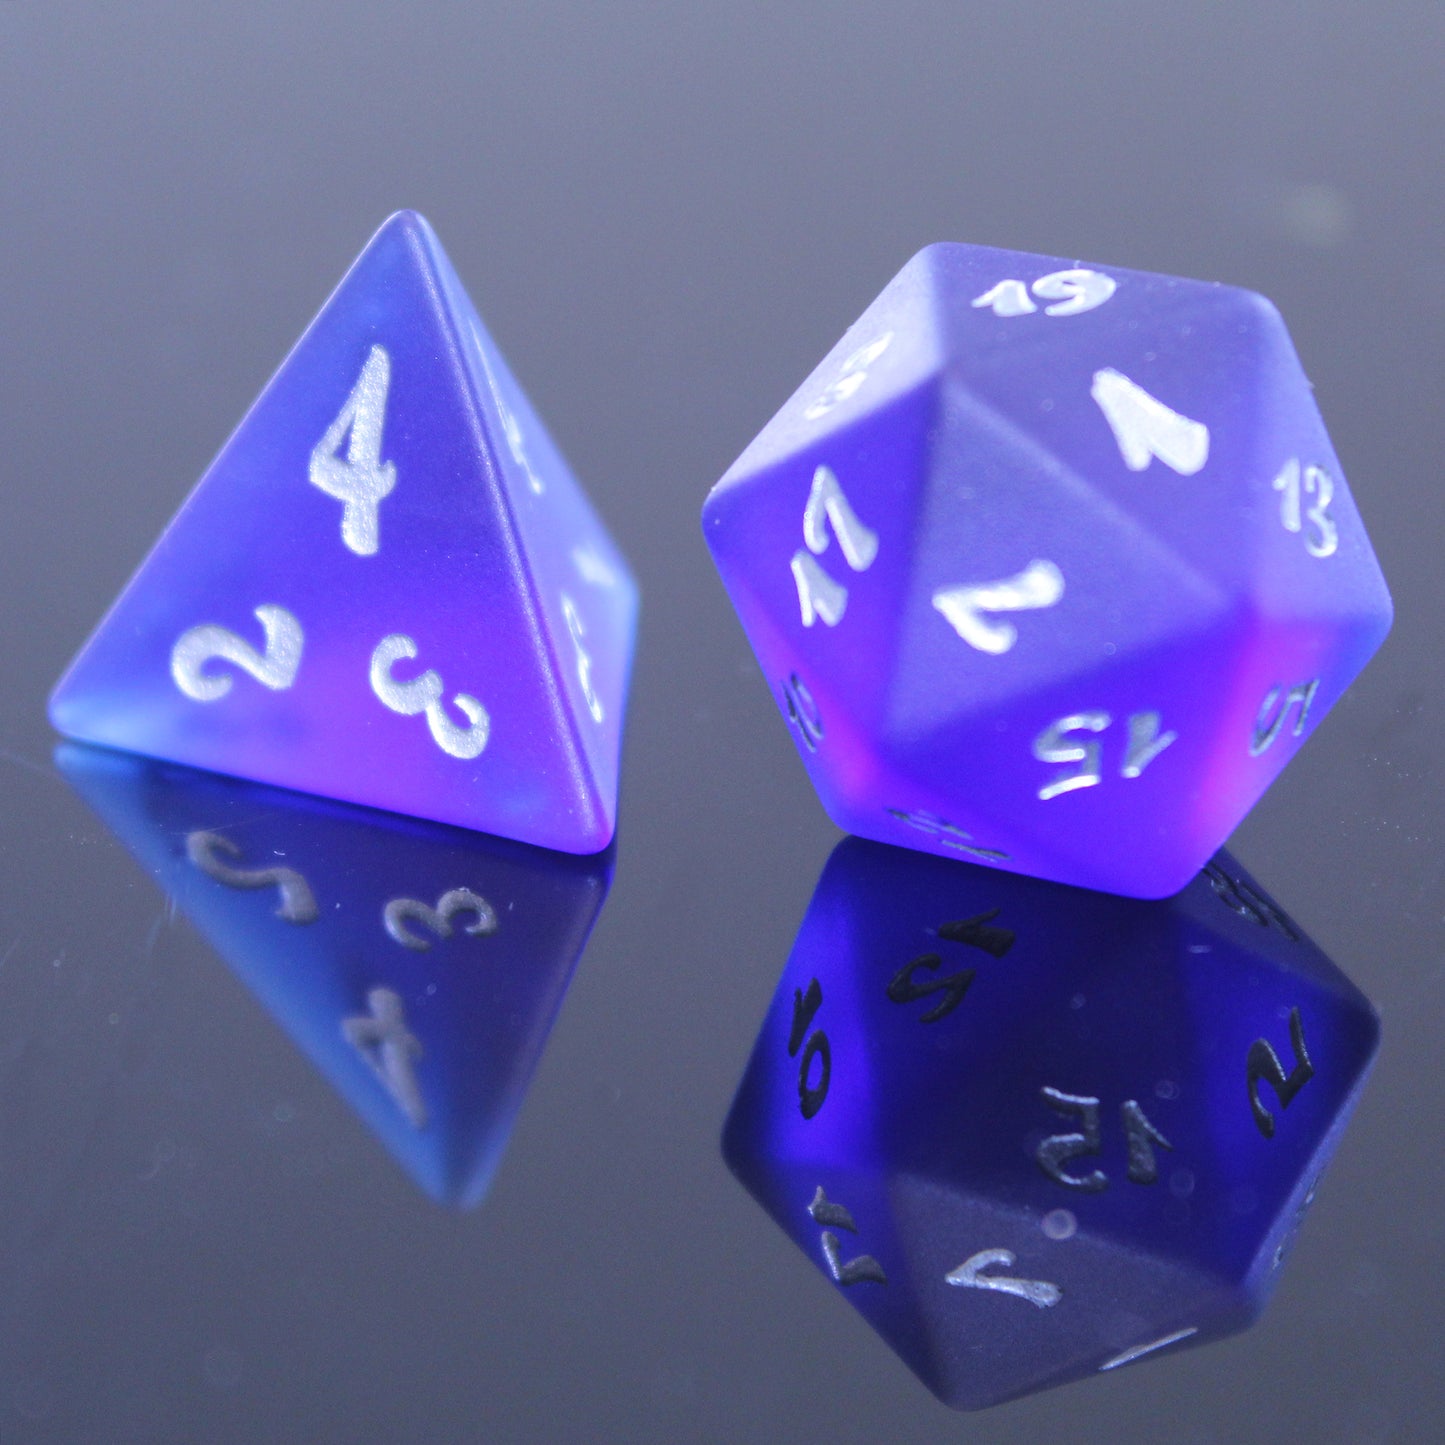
(485, 555)
(1060, 580)
(476, 1005)
(929, 1131)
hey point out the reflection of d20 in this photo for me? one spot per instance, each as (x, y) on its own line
(417, 966)
(1034, 1132)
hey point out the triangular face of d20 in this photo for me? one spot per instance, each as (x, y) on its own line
(387, 588)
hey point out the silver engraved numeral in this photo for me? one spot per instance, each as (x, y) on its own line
(516, 443)
(362, 479)
(1241, 898)
(811, 1096)
(1276, 708)
(298, 903)
(424, 695)
(1145, 428)
(1050, 747)
(584, 658)
(1072, 292)
(1055, 1151)
(1262, 1063)
(1293, 481)
(803, 712)
(1040, 584)
(819, 596)
(1145, 744)
(970, 1274)
(275, 668)
(401, 911)
(826, 504)
(1007, 298)
(390, 1050)
(845, 1272)
(949, 834)
(851, 376)
(1075, 291)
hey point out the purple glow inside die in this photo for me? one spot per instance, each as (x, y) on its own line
(387, 588)
(1050, 566)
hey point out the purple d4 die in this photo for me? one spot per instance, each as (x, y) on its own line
(1050, 566)
(387, 588)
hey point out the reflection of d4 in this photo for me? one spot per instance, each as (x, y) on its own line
(1066, 1130)
(417, 966)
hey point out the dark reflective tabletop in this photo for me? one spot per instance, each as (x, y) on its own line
(256, 1181)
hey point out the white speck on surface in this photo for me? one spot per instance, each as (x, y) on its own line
(1060, 1224)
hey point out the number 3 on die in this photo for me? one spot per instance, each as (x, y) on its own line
(424, 695)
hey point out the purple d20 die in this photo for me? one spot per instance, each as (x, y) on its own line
(1050, 566)
(1034, 1132)
(387, 588)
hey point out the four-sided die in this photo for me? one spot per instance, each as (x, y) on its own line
(387, 588)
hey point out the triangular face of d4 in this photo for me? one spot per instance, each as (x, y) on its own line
(387, 588)
(417, 967)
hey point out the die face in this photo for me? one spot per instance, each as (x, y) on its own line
(1241, 482)
(1105, 573)
(897, 346)
(1133, 1100)
(886, 696)
(1115, 752)
(814, 557)
(347, 603)
(419, 968)
(582, 588)
(1052, 1310)
(1150, 395)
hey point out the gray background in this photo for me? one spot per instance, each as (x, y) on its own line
(667, 214)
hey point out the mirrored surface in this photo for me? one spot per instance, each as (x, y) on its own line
(427, 1017)
(1007, 1089)
(667, 219)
